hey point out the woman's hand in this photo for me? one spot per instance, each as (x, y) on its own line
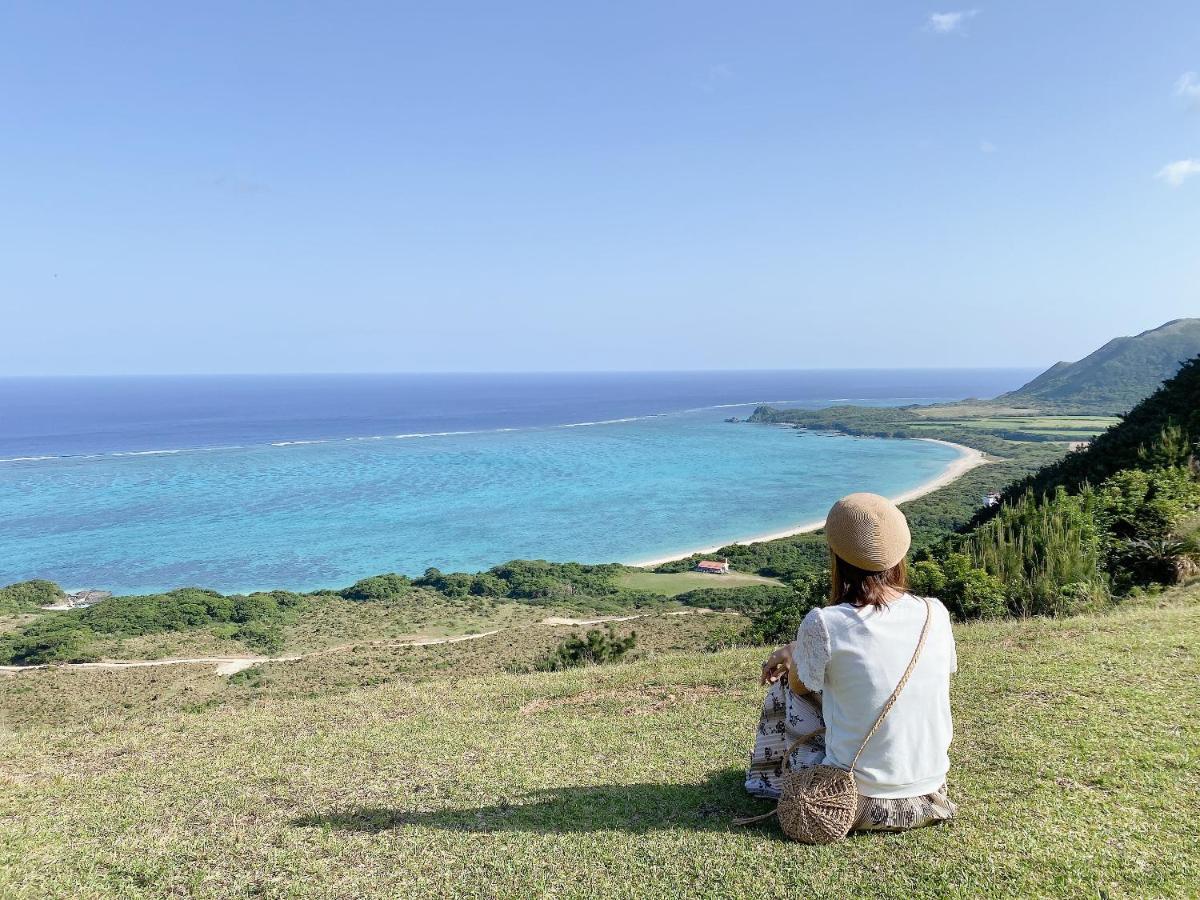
(778, 665)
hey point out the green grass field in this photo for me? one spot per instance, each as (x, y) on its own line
(1075, 765)
(675, 583)
(1064, 427)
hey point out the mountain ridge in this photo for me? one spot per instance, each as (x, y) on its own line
(1114, 377)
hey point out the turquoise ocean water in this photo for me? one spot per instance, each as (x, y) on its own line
(319, 507)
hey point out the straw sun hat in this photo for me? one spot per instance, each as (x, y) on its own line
(868, 531)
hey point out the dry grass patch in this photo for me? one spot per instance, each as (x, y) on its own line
(1075, 765)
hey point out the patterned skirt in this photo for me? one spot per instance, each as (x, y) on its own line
(792, 725)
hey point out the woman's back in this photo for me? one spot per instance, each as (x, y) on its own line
(856, 656)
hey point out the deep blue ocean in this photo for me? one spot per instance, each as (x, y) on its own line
(252, 482)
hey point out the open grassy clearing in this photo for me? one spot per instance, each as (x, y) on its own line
(997, 417)
(1074, 427)
(970, 409)
(967, 409)
(16, 620)
(671, 584)
(62, 695)
(1075, 765)
(334, 622)
(1049, 423)
(327, 621)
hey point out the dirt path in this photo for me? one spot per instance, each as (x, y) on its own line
(226, 665)
(559, 620)
(229, 665)
(600, 620)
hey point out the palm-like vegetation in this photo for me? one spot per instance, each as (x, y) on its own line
(1167, 559)
(1048, 555)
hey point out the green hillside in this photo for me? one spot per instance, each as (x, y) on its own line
(1104, 523)
(1134, 442)
(1074, 765)
(1115, 377)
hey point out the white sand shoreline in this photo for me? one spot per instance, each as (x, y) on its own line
(968, 459)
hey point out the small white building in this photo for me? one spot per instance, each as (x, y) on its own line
(713, 567)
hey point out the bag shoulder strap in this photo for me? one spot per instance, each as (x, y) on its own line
(891, 701)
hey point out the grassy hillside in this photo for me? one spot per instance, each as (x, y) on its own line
(1074, 764)
(672, 584)
(1175, 405)
(65, 695)
(1115, 377)
(195, 621)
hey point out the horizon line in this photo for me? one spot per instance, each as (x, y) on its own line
(483, 372)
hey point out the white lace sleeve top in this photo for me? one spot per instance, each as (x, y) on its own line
(855, 657)
(812, 651)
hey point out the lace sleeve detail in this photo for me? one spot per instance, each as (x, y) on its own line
(812, 651)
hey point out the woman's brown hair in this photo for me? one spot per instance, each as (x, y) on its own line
(859, 587)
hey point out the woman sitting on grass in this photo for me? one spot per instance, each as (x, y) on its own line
(828, 687)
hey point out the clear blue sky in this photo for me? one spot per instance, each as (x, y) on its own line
(233, 187)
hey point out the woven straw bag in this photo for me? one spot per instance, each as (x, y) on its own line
(818, 804)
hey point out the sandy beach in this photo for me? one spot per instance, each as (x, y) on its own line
(968, 459)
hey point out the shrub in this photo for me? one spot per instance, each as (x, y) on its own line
(29, 595)
(379, 587)
(1034, 547)
(926, 578)
(1161, 560)
(593, 648)
(253, 677)
(778, 622)
(726, 636)
(747, 600)
(261, 637)
(971, 592)
(54, 638)
(63, 637)
(1143, 505)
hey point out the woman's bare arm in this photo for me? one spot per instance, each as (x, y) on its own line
(779, 664)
